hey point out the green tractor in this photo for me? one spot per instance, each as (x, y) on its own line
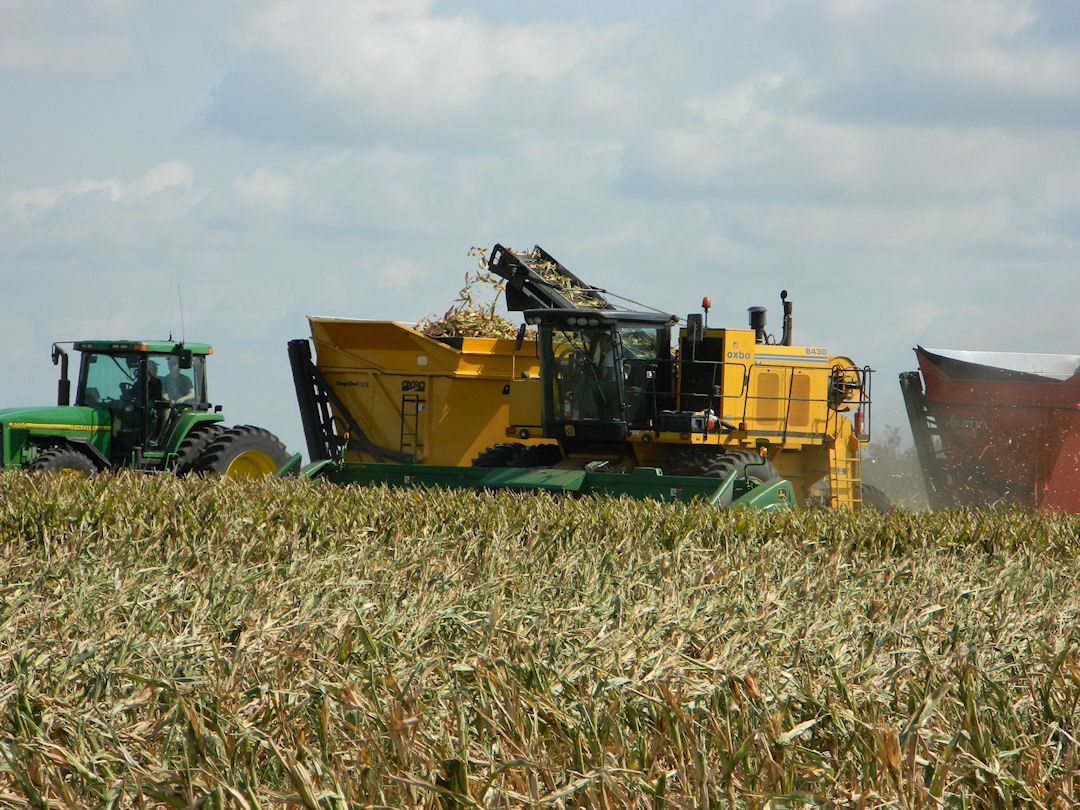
(138, 405)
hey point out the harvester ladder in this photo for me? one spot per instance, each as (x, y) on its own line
(845, 474)
(412, 405)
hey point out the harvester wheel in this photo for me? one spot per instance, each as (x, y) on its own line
(515, 454)
(701, 461)
(694, 461)
(749, 464)
(874, 499)
(539, 455)
(64, 461)
(243, 452)
(193, 445)
(708, 463)
(500, 455)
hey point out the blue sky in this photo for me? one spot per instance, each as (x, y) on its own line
(908, 171)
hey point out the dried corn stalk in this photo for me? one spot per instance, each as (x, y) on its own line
(467, 317)
(549, 271)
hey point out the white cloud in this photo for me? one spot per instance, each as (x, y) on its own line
(374, 68)
(398, 275)
(737, 104)
(162, 178)
(84, 39)
(264, 190)
(170, 175)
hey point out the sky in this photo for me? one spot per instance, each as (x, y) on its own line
(219, 170)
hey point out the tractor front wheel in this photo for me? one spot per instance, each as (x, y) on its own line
(64, 461)
(243, 452)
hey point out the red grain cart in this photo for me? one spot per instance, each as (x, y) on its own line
(996, 427)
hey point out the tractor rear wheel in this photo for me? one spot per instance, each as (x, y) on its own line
(242, 452)
(64, 461)
(193, 445)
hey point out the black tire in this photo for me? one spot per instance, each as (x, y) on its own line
(63, 460)
(194, 444)
(875, 499)
(539, 455)
(500, 455)
(516, 454)
(242, 452)
(696, 461)
(708, 463)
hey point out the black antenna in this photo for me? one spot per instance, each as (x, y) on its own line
(180, 299)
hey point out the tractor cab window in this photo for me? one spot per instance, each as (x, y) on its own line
(182, 386)
(138, 379)
(108, 379)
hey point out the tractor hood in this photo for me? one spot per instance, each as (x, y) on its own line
(55, 417)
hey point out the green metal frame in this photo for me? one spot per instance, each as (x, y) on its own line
(642, 482)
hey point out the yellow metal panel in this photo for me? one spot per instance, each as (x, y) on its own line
(526, 403)
(464, 394)
(799, 409)
(765, 407)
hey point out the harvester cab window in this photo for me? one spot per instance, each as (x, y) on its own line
(604, 373)
(584, 383)
(643, 351)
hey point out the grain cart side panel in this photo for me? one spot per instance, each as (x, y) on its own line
(1008, 424)
(434, 401)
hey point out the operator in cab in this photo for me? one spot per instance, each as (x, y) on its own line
(178, 387)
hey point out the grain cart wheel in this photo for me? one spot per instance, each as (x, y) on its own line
(193, 445)
(243, 452)
(63, 461)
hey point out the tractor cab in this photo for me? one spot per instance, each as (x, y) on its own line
(603, 372)
(145, 386)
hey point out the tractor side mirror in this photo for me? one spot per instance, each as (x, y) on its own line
(185, 357)
(63, 388)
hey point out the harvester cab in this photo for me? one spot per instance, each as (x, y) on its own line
(137, 404)
(602, 373)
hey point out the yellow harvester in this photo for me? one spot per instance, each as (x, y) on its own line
(589, 387)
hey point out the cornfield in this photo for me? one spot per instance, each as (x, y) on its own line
(206, 643)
